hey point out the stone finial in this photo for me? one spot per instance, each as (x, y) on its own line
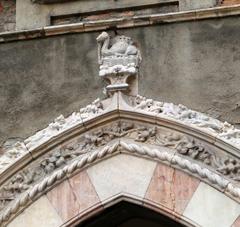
(119, 59)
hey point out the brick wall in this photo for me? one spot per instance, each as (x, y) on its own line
(7, 15)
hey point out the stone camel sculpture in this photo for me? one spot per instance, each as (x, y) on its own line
(118, 46)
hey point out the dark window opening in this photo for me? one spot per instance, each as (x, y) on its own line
(125, 214)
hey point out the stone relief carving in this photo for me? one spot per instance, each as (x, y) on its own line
(223, 130)
(11, 154)
(116, 51)
(96, 107)
(119, 130)
(53, 162)
(60, 124)
(171, 158)
(119, 49)
(231, 168)
(180, 113)
(88, 142)
(26, 178)
(182, 144)
(17, 185)
(231, 135)
(189, 147)
(64, 155)
(119, 58)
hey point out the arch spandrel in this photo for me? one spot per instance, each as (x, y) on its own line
(177, 141)
(122, 177)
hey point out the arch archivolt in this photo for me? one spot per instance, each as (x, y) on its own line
(138, 145)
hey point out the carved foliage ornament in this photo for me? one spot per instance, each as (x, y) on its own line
(40, 188)
(110, 49)
(119, 58)
(64, 155)
(122, 47)
(222, 130)
(100, 137)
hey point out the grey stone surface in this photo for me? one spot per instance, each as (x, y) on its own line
(121, 174)
(40, 213)
(210, 208)
(193, 63)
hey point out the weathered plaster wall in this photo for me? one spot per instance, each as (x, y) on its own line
(40, 79)
(7, 15)
(199, 67)
(194, 63)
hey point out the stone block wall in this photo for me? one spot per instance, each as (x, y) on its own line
(7, 15)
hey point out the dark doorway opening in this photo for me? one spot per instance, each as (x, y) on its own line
(125, 214)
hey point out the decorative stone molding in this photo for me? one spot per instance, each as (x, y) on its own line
(12, 154)
(182, 144)
(64, 155)
(187, 146)
(181, 113)
(61, 124)
(58, 126)
(122, 52)
(90, 158)
(169, 133)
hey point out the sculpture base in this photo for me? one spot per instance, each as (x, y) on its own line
(117, 87)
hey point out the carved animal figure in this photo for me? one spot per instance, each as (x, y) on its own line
(118, 46)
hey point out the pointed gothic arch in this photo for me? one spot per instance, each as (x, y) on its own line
(125, 133)
(166, 157)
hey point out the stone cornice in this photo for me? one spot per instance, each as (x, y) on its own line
(135, 21)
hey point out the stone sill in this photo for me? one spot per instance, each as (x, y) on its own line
(118, 23)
